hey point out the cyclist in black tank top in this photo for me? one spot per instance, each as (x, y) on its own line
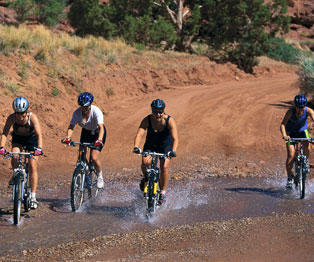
(161, 137)
(26, 133)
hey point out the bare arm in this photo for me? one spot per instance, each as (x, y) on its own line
(141, 132)
(284, 123)
(174, 133)
(37, 129)
(101, 131)
(70, 130)
(310, 113)
(6, 129)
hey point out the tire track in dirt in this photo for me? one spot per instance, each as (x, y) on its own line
(224, 118)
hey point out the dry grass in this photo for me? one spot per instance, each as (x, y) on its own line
(43, 43)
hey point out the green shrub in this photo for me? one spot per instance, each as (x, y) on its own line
(23, 8)
(306, 75)
(55, 91)
(49, 12)
(280, 50)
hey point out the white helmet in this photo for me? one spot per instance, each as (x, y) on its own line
(20, 104)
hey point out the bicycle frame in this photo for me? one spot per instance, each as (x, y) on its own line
(301, 164)
(20, 187)
(83, 177)
(151, 193)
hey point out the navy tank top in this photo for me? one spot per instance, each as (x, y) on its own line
(297, 125)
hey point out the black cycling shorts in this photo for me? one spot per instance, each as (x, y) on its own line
(88, 137)
(30, 142)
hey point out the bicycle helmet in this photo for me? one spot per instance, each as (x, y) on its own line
(300, 100)
(20, 104)
(158, 104)
(85, 99)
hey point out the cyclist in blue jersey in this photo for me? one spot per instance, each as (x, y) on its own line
(294, 125)
(161, 137)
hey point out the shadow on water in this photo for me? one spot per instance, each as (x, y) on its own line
(277, 192)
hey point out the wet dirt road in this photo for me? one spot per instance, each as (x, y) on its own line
(119, 209)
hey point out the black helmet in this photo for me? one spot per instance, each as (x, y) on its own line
(300, 100)
(85, 99)
(20, 104)
(158, 104)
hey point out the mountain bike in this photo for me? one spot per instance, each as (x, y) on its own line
(151, 186)
(84, 178)
(21, 188)
(301, 165)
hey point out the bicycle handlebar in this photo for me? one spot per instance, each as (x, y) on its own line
(90, 145)
(150, 153)
(311, 140)
(26, 154)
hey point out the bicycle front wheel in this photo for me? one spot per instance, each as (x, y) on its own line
(77, 188)
(92, 185)
(302, 178)
(152, 199)
(17, 199)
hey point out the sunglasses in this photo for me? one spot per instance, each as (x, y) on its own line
(20, 113)
(157, 112)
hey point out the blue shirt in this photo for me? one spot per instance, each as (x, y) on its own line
(297, 125)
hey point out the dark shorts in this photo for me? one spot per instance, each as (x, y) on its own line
(303, 134)
(87, 137)
(163, 149)
(30, 142)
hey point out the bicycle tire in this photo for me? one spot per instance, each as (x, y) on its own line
(27, 201)
(77, 188)
(92, 185)
(300, 181)
(152, 201)
(17, 199)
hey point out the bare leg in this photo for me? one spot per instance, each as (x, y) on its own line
(164, 165)
(289, 161)
(33, 175)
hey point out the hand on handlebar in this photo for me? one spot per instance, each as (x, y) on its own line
(66, 140)
(98, 142)
(38, 151)
(2, 151)
(172, 154)
(286, 138)
(137, 150)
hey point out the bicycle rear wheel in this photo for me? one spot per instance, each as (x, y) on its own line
(17, 199)
(77, 188)
(92, 185)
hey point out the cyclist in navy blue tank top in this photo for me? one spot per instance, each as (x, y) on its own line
(294, 125)
(161, 137)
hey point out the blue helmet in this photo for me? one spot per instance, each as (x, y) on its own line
(85, 99)
(158, 104)
(20, 104)
(300, 100)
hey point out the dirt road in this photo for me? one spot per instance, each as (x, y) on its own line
(233, 122)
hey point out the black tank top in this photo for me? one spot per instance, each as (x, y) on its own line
(161, 138)
(24, 130)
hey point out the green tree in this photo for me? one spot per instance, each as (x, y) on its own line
(237, 30)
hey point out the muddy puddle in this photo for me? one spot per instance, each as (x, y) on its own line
(119, 208)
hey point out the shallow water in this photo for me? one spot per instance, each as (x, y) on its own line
(119, 208)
